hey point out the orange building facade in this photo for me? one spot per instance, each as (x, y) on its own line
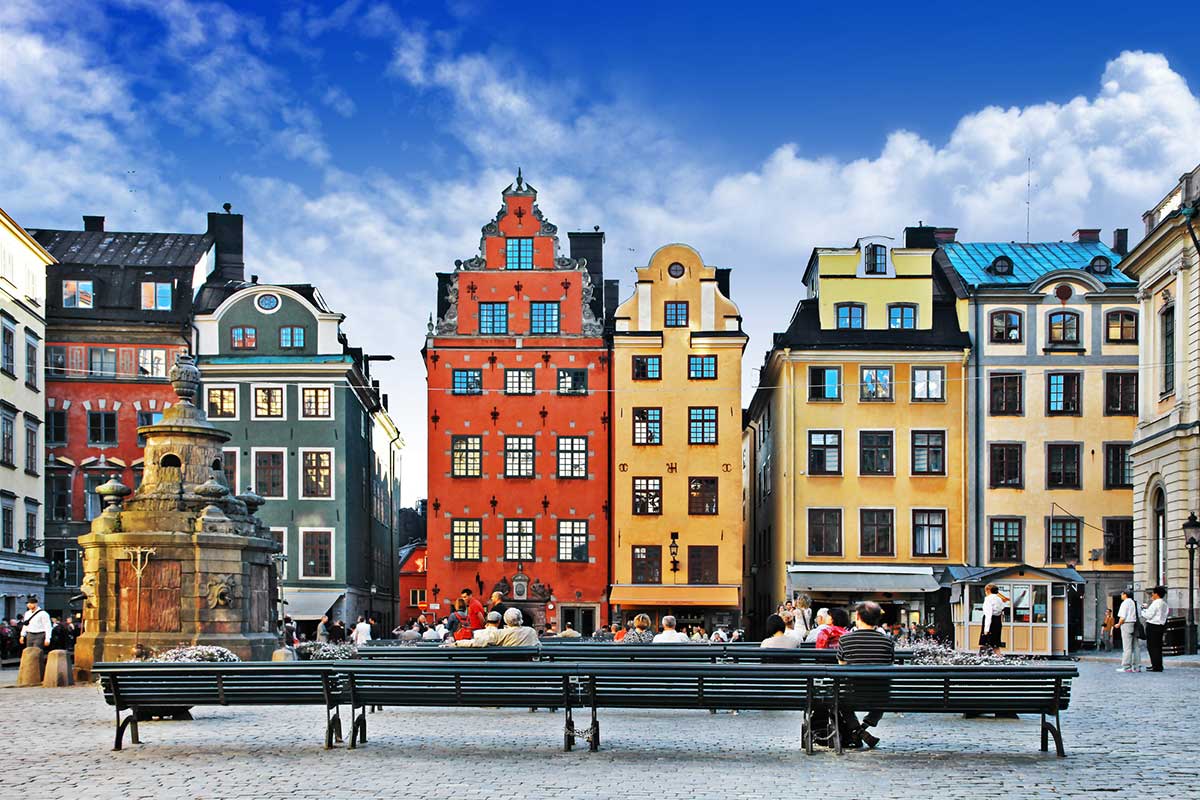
(518, 384)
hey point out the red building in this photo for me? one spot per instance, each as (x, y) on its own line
(412, 591)
(517, 371)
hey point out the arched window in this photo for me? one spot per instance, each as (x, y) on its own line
(1001, 265)
(875, 260)
(1160, 537)
(1006, 327)
(216, 465)
(1167, 328)
(1064, 328)
(850, 315)
(170, 460)
(1121, 327)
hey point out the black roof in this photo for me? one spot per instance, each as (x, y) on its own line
(122, 249)
(805, 333)
(212, 294)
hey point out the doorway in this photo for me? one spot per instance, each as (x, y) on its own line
(582, 619)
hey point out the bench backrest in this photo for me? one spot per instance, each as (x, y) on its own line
(958, 689)
(461, 683)
(696, 653)
(269, 683)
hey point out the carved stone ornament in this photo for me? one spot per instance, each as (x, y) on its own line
(449, 323)
(591, 325)
(88, 590)
(1166, 296)
(219, 591)
(547, 229)
(502, 586)
(185, 378)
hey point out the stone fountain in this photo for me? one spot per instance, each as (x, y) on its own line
(184, 560)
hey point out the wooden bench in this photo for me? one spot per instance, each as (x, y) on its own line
(597, 652)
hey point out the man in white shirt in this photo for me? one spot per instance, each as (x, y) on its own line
(669, 635)
(1155, 616)
(1131, 648)
(361, 633)
(35, 626)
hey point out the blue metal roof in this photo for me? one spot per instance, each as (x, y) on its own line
(1030, 261)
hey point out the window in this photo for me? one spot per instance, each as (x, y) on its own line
(317, 548)
(1005, 394)
(647, 368)
(467, 381)
(572, 381)
(519, 254)
(1007, 536)
(876, 383)
(850, 315)
(268, 473)
(147, 418)
(1118, 467)
(518, 456)
(416, 597)
(8, 351)
(647, 563)
(1121, 327)
(876, 529)
(518, 381)
(1121, 394)
(56, 428)
(1064, 328)
(702, 563)
(317, 473)
(543, 318)
(573, 540)
(65, 567)
(675, 314)
(824, 532)
(222, 403)
(8, 523)
(1007, 466)
(647, 426)
(243, 337)
(58, 487)
(77, 294)
(928, 453)
(902, 316)
(1118, 540)
(32, 361)
(466, 540)
(702, 496)
(702, 426)
(1064, 540)
(518, 540)
(466, 456)
(493, 318)
(702, 368)
(102, 427)
(647, 496)
(1167, 324)
(92, 506)
(1002, 265)
(875, 453)
(102, 362)
(875, 260)
(316, 402)
(929, 532)
(152, 363)
(268, 402)
(824, 383)
(1100, 265)
(8, 438)
(1062, 466)
(267, 303)
(928, 383)
(1006, 327)
(572, 457)
(291, 337)
(824, 453)
(56, 361)
(156, 296)
(1062, 393)
(229, 466)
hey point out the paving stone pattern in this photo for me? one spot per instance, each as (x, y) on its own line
(481, 754)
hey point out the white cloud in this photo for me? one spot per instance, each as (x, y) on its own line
(339, 101)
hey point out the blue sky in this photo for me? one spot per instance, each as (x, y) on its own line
(367, 141)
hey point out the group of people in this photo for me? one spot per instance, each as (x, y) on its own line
(1135, 624)
(36, 628)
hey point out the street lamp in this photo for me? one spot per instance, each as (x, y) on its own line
(1191, 530)
(371, 607)
(674, 549)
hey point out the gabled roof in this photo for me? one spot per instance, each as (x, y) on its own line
(805, 333)
(119, 249)
(1030, 261)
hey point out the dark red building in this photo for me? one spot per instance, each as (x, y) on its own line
(517, 371)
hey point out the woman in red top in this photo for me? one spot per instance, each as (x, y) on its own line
(829, 635)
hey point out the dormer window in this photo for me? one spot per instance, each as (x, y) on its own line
(1001, 265)
(518, 253)
(850, 316)
(875, 259)
(1100, 266)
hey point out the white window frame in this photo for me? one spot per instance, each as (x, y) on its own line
(912, 395)
(254, 451)
(155, 307)
(166, 369)
(237, 401)
(254, 387)
(283, 529)
(332, 472)
(332, 553)
(300, 401)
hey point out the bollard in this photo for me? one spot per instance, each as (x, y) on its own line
(33, 665)
(58, 669)
(283, 654)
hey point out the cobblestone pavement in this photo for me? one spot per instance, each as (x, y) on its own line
(481, 754)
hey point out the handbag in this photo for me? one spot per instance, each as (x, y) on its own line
(1139, 630)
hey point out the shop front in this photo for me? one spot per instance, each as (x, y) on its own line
(1037, 620)
(911, 595)
(692, 605)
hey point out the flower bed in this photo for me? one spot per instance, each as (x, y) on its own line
(324, 651)
(930, 652)
(196, 654)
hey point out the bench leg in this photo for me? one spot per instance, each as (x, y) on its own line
(1053, 729)
(358, 727)
(333, 727)
(806, 731)
(568, 731)
(122, 724)
(593, 736)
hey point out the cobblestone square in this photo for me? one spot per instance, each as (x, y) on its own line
(482, 753)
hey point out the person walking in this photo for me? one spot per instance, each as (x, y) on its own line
(323, 629)
(804, 617)
(991, 636)
(362, 632)
(1126, 623)
(1155, 617)
(1106, 630)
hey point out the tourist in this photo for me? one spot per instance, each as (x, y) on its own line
(485, 636)
(1106, 631)
(36, 626)
(362, 632)
(789, 624)
(475, 610)
(699, 635)
(719, 636)
(619, 633)
(777, 635)
(496, 603)
(1127, 624)
(60, 635)
(992, 633)
(1155, 616)
(338, 633)
(459, 624)
(431, 634)
(865, 644)
(323, 629)
(641, 633)
(516, 633)
(411, 634)
(569, 632)
(829, 635)
(804, 616)
(823, 620)
(289, 632)
(669, 635)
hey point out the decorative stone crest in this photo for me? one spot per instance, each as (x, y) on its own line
(219, 592)
(449, 323)
(88, 590)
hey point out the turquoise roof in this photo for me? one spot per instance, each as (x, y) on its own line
(1031, 261)
(331, 359)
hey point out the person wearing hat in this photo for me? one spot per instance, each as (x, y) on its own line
(489, 634)
(36, 628)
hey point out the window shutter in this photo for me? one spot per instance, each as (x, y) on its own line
(77, 365)
(126, 363)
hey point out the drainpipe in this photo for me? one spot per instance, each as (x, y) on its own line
(977, 385)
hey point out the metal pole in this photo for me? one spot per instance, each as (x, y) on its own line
(1191, 618)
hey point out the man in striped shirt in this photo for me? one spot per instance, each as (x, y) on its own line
(866, 644)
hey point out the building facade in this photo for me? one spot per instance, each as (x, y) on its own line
(1055, 332)
(23, 265)
(518, 377)
(1166, 449)
(676, 444)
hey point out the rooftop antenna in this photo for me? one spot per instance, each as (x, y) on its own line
(1028, 193)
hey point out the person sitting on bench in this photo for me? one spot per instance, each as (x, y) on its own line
(516, 633)
(866, 644)
(485, 636)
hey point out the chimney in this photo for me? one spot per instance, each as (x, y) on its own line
(226, 230)
(1120, 243)
(723, 274)
(93, 223)
(920, 236)
(612, 299)
(945, 235)
(1087, 235)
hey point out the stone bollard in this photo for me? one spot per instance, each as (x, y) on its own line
(33, 665)
(58, 669)
(283, 654)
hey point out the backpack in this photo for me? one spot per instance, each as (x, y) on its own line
(463, 631)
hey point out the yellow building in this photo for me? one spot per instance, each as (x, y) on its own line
(677, 438)
(857, 436)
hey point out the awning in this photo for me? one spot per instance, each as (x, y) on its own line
(309, 604)
(860, 579)
(656, 595)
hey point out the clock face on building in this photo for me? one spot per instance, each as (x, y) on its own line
(268, 302)
(675, 270)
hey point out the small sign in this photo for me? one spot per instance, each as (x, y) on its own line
(434, 606)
